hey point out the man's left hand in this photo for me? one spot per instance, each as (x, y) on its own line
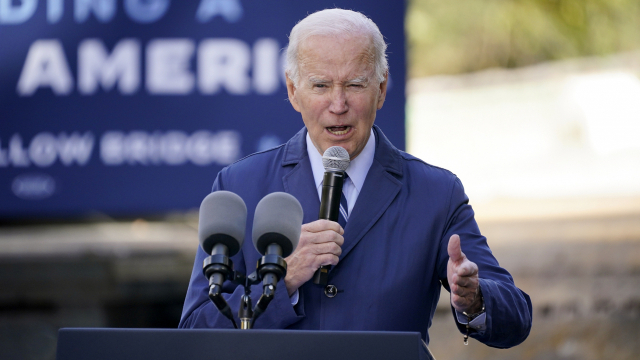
(462, 275)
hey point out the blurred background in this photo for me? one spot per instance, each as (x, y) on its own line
(534, 104)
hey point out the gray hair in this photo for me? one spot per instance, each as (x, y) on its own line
(336, 22)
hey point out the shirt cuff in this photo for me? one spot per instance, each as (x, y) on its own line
(294, 298)
(479, 323)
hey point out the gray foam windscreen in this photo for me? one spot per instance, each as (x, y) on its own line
(335, 158)
(223, 217)
(278, 219)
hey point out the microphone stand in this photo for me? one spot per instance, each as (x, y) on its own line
(271, 267)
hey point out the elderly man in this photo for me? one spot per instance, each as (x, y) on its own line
(407, 222)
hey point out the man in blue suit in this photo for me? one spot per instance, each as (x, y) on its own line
(407, 222)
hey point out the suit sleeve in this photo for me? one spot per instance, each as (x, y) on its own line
(200, 312)
(508, 309)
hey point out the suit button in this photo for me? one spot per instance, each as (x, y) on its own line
(331, 291)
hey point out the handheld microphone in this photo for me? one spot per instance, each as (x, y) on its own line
(221, 229)
(277, 225)
(335, 161)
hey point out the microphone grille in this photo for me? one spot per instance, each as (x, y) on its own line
(278, 219)
(335, 158)
(223, 216)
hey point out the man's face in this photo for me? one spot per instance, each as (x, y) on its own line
(337, 94)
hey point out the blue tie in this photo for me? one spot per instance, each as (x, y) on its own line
(344, 207)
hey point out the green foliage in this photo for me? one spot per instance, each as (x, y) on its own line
(458, 36)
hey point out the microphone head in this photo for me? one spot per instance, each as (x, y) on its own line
(278, 219)
(335, 158)
(223, 217)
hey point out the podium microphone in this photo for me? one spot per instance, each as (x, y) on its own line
(221, 229)
(335, 161)
(276, 231)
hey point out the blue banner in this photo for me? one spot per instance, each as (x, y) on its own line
(131, 107)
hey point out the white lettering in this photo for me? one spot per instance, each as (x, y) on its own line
(33, 186)
(225, 147)
(45, 65)
(198, 148)
(104, 10)
(168, 62)
(45, 148)
(135, 146)
(146, 11)
(111, 148)
(224, 62)
(230, 10)
(17, 14)
(17, 154)
(42, 150)
(75, 148)
(174, 148)
(55, 8)
(265, 66)
(95, 66)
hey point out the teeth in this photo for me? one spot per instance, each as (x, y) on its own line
(339, 132)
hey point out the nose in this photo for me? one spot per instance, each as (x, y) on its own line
(338, 104)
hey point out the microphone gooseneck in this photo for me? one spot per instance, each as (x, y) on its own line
(335, 161)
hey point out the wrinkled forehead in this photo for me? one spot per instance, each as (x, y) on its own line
(337, 49)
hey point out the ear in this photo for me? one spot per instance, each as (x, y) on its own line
(383, 91)
(291, 91)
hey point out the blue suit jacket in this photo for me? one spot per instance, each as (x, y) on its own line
(394, 256)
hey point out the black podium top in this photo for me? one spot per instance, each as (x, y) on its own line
(213, 344)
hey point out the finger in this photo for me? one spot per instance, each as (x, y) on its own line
(326, 259)
(327, 236)
(466, 282)
(467, 269)
(465, 292)
(454, 249)
(322, 225)
(460, 302)
(327, 248)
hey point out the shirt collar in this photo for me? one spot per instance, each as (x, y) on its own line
(358, 168)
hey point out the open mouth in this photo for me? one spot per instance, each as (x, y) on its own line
(339, 130)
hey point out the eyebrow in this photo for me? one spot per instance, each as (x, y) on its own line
(358, 80)
(318, 80)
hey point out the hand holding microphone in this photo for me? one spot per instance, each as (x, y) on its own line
(321, 241)
(335, 161)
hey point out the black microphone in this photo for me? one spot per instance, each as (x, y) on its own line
(276, 231)
(335, 161)
(221, 228)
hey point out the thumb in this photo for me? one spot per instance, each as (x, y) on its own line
(454, 250)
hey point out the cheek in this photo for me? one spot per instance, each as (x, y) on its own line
(314, 106)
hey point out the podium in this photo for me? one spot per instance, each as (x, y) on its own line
(215, 344)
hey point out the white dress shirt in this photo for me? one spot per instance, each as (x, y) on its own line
(357, 170)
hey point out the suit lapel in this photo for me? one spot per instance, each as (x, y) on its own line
(299, 181)
(379, 189)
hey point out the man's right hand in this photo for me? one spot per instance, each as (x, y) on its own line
(320, 244)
